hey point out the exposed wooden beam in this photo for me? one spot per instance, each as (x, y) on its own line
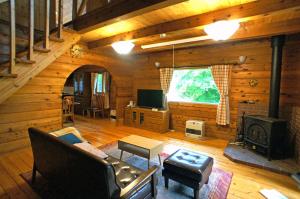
(120, 10)
(244, 12)
(249, 30)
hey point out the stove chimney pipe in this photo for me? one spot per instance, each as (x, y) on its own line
(277, 43)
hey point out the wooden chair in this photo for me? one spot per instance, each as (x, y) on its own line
(68, 108)
(99, 106)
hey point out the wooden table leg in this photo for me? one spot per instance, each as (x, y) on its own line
(121, 155)
(148, 163)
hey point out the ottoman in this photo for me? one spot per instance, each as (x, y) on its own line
(189, 168)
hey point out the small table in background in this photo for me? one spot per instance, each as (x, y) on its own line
(141, 146)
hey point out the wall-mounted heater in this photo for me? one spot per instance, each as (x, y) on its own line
(195, 128)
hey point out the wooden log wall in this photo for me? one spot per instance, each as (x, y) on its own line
(257, 66)
(38, 103)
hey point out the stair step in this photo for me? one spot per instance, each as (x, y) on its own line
(24, 61)
(9, 75)
(56, 39)
(41, 49)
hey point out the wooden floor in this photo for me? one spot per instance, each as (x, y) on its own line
(247, 181)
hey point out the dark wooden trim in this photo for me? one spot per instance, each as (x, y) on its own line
(121, 10)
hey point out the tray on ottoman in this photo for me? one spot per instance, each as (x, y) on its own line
(189, 168)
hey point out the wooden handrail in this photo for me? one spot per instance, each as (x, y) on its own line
(12, 60)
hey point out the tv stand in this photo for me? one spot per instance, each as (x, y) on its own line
(145, 118)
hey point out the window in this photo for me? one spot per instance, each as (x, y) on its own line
(78, 84)
(99, 88)
(81, 85)
(193, 85)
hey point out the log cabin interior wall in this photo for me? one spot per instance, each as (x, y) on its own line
(39, 103)
(257, 66)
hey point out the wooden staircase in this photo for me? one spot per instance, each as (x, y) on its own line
(26, 58)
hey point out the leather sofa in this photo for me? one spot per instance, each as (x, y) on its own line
(83, 175)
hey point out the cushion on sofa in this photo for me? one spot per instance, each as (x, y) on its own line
(70, 138)
(67, 130)
(91, 149)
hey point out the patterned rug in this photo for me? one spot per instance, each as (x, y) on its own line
(217, 188)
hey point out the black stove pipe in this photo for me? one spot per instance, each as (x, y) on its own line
(277, 43)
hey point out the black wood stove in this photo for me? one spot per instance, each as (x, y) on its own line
(267, 134)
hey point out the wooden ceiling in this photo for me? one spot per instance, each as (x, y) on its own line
(262, 18)
(170, 13)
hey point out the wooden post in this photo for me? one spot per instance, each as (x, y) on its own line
(12, 13)
(74, 11)
(60, 18)
(31, 30)
(46, 24)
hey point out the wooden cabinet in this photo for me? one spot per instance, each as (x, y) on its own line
(147, 119)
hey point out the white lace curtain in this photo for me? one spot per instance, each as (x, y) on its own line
(221, 75)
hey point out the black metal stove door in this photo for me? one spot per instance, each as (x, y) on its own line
(257, 134)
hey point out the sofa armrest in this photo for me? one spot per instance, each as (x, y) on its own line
(139, 182)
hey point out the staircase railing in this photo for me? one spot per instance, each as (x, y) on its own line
(11, 72)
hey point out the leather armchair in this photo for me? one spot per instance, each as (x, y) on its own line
(83, 175)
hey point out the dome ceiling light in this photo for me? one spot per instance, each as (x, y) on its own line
(222, 30)
(123, 47)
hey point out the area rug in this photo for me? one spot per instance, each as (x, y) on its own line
(217, 188)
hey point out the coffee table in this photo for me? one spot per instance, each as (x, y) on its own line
(141, 146)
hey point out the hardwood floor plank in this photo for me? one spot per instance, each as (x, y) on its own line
(246, 182)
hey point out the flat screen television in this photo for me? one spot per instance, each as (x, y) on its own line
(150, 98)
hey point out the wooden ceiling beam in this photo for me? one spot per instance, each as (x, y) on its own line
(245, 12)
(249, 30)
(119, 10)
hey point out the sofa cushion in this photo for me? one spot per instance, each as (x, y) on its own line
(91, 149)
(67, 130)
(70, 138)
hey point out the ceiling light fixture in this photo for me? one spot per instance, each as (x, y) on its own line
(222, 30)
(123, 47)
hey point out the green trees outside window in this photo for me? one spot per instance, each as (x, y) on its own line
(193, 85)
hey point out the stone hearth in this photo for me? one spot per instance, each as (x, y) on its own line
(248, 157)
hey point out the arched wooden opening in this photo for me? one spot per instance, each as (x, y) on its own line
(88, 90)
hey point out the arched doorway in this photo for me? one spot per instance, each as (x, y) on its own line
(88, 91)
